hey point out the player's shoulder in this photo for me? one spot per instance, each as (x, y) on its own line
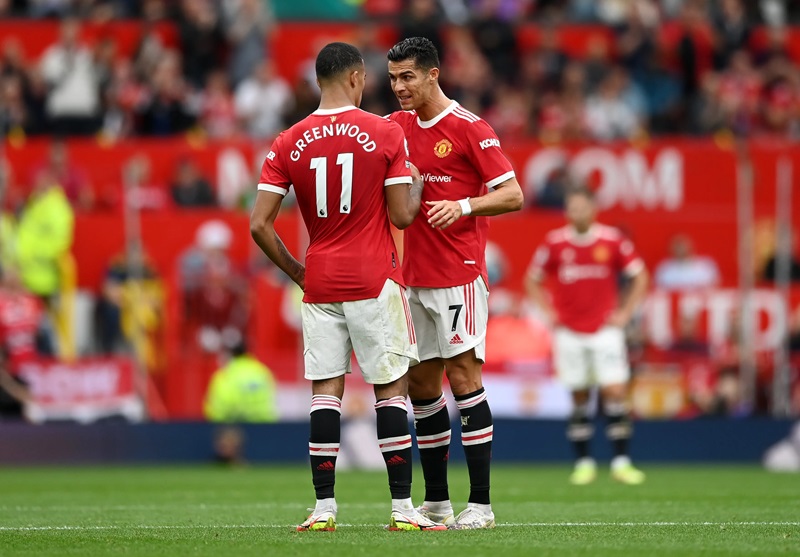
(402, 117)
(557, 236)
(465, 117)
(609, 233)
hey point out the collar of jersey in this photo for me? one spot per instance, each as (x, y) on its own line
(329, 111)
(435, 120)
(588, 237)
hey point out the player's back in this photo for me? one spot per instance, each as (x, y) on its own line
(339, 162)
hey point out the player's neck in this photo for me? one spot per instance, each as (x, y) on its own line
(330, 100)
(437, 104)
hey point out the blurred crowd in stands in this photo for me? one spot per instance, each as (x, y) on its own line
(670, 66)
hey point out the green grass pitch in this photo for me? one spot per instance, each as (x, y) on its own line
(198, 511)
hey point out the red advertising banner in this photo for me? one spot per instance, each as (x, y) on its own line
(82, 391)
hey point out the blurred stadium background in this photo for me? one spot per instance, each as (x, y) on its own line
(135, 131)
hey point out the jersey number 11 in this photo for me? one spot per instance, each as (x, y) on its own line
(320, 165)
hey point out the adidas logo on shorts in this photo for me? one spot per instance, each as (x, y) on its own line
(456, 340)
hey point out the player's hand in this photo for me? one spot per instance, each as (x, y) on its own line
(618, 319)
(443, 213)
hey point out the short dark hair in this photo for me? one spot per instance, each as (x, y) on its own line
(582, 191)
(419, 49)
(337, 58)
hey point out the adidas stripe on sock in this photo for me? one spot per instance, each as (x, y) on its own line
(432, 424)
(477, 429)
(323, 443)
(394, 441)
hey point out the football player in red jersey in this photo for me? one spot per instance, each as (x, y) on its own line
(584, 260)
(352, 177)
(467, 179)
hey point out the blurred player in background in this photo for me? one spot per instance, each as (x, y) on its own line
(585, 260)
(352, 177)
(468, 178)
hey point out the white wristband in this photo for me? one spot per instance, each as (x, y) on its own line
(465, 207)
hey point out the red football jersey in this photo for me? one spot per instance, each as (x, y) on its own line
(585, 269)
(339, 161)
(19, 320)
(459, 156)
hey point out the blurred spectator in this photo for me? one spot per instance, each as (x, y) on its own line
(732, 30)
(378, 98)
(149, 50)
(213, 293)
(190, 188)
(683, 270)
(552, 59)
(20, 318)
(44, 236)
(129, 311)
(139, 191)
(690, 42)
(15, 120)
(124, 97)
(242, 390)
(469, 73)
(707, 114)
(496, 39)
(166, 111)
(738, 94)
(423, 18)
(262, 102)
(248, 23)
(72, 178)
(73, 100)
(636, 42)
(21, 315)
(217, 111)
(202, 40)
(609, 115)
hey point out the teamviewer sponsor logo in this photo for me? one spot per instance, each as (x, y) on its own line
(428, 177)
(491, 142)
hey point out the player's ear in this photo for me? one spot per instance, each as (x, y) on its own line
(433, 74)
(354, 79)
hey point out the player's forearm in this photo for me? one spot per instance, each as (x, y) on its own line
(415, 196)
(636, 293)
(271, 244)
(505, 199)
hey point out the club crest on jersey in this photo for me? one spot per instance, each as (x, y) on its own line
(442, 148)
(333, 118)
(601, 254)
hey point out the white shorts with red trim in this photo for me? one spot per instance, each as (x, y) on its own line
(586, 359)
(379, 330)
(450, 321)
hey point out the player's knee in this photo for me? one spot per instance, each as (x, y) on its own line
(464, 376)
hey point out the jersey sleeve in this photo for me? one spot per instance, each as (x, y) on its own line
(274, 174)
(399, 169)
(628, 259)
(484, 153)
(542, 262)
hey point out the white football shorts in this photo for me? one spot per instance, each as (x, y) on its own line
(449, 321)
(379, 330)
(586, 359)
